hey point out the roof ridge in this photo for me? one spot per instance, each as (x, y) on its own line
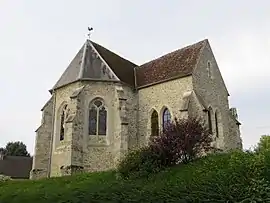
(112, 52)
(102, 59)
(176, 50)
(82, 60)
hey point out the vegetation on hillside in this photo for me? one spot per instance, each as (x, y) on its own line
(233, 177)
(160, 173)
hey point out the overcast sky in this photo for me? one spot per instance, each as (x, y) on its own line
(38, 39)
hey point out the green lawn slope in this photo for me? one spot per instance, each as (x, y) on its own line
(232, 177)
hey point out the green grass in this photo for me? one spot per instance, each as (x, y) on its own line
(234, 177)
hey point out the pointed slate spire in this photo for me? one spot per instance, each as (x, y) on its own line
(96, 62)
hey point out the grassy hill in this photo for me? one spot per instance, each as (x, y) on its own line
(233, 177)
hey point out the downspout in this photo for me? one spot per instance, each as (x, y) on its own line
(51, 144)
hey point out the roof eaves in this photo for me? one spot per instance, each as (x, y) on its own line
(163, 81)
(236, 120)
(46, 104)
(93, 80)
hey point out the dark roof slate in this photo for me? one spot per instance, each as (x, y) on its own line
(85, 66)
(123, 68)
(72, 71)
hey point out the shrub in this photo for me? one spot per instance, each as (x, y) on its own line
(182, 141)
(139, 163)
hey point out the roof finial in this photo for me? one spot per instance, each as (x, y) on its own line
(89, 29)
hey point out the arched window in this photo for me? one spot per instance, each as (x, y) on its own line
(166, 117)
(210, 111)
(216, 121)
(62, 122)
(154, 123)
(97, 118)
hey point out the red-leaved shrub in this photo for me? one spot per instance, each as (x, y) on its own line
(182, 141)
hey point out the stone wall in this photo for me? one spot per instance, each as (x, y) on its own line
(38, 174)
(211, 88)
(104, 152)
(93, 153)
(235, 140)
(62, 150)
(157, 97)
(41, 158)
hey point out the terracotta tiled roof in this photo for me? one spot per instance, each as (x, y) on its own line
(175, 64)
(16, 166)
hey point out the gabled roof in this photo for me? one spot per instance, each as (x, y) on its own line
(93, 61)
(16, 166)
(178, 63)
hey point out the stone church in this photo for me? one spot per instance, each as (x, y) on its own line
(104, 105)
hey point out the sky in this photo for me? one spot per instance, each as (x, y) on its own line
(38, 39)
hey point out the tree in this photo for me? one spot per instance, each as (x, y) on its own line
(264, 144)
(182, 141)
(15, 149)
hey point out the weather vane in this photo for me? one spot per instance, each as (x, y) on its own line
(89, 29)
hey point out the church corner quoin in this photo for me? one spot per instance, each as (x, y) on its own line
(104, 105)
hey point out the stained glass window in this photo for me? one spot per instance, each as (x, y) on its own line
(102, 121)
(154, 123)
(93, 121)
(97, 103)
(210, 119)
(166, 118)
(62, 123)
(97, 118)
(216, 119)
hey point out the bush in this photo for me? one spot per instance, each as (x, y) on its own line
(182, 141)
(140, 163)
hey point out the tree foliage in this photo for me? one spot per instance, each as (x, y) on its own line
(264, 144)
(15, 149)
